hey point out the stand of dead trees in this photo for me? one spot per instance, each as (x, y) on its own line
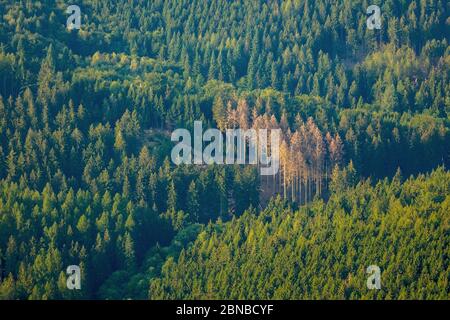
(307, 155)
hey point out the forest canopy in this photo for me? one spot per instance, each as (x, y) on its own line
(85, 171)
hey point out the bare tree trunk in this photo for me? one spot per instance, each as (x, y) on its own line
(292, 192)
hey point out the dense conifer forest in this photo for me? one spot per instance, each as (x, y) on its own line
(86, 176)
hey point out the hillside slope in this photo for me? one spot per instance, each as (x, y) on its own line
(323, 250)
